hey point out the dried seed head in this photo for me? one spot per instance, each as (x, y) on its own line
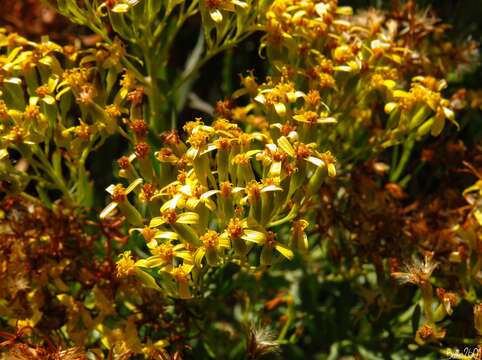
(417, 272)
(86, 94)
(260, 341)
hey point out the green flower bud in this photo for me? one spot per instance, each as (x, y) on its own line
(187, 233)
(425, 127)
(211, 256)
(419, 117)
(239, 246)
(133, 216)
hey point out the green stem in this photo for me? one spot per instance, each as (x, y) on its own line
(407, 151)
(288, 322)
(56, 178)
(291, 215)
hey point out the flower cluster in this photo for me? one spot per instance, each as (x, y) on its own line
(219, 197)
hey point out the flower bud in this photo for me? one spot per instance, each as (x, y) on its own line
(239, 246)
(211, 256)
(425, 127)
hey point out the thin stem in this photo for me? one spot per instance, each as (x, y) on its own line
(407, 151)
(56, 178)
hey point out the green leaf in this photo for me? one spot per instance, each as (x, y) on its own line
(147, 280)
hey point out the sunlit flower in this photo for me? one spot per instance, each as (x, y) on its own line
(125, 266)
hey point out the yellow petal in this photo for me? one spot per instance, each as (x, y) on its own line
(166, 235)
(389, 107)
(271, 188)
(280, 109)
(253, 236)
(315, 161)
(157, 221)
(188, 218)
(133, 185)
(326, 120)
(216, 15)
(199, 256)
(107, 210)
(285, 251)
(285, 144)
(331, 170)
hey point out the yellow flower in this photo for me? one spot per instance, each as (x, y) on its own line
(125, 266)
(213, 243)
(119, 199)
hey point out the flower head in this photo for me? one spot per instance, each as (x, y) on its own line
(418, 272)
